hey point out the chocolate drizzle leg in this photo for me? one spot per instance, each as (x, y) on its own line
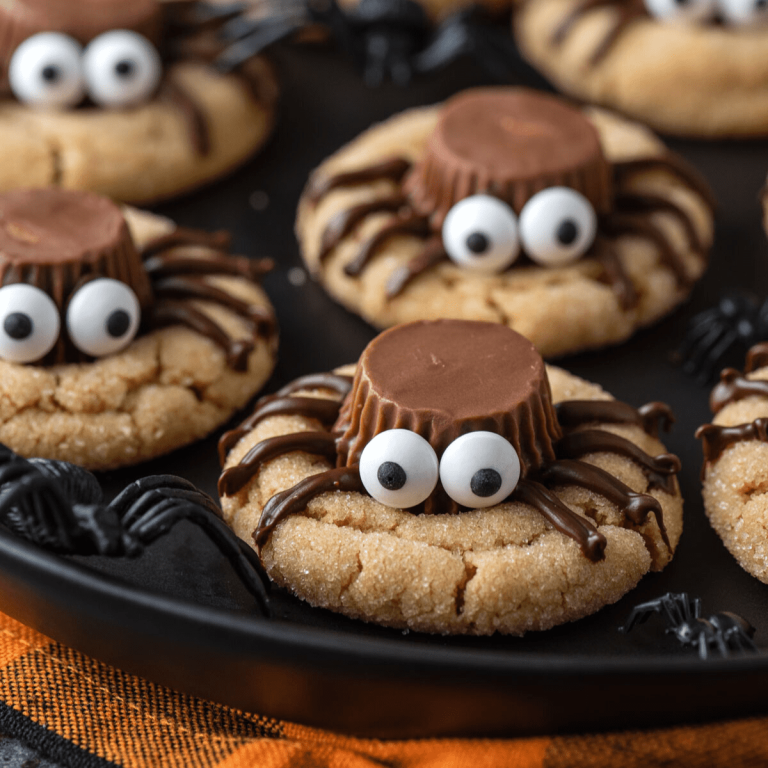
(432, 253)
(320, 408)
(171, 312)
(733, 387)
(636, 506)
(295, 499)
(715, 439)
(615, 274)
(343, 223)
(233, 479)
(417, 226)
(194, 116)
(627, 12)
(651, 417)
(757, 357)
(392, 169)
(591, 541)
(660, 470)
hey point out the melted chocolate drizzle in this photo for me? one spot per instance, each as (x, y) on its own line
(673, 164)
(757, 357)
(295, 499)
(591, 541)
(627, 12)
(215, 262)
(614, 274)
(408, 225)
(636, 506)
(660, 470)
(339, 383)
(170, 312)
(219, 241)
(194, 116)
(715, 439)
(432, 253)
(235, 478)
(619, 224)
(651, 417)
(633, 202)
(345, 222)
(393, 169)
(732, 387)
(324, 410)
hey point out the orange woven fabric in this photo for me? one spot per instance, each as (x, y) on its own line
(88, 715)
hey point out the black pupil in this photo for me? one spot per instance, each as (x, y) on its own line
(485, 482)
(118, 323)
(567, 232)
(50, 73)
(391, 476)
(125, 68)
(18, 325)
(477, 242)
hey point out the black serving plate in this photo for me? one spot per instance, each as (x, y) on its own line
(179, 617)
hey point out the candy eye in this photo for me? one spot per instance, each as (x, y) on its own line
(29, 323)
(399, 468)
(46, 70)
(557, 226)
(479, 469)
(103, 317)
(744, 12)
(480, 234)
(121, 68)
(681, 10)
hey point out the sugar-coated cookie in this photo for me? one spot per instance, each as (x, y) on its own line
(120, 98)
(697, 68)
(122, 336)
(573, 227)
(452, 483)
(736, 462)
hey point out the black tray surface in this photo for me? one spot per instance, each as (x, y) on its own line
(178, 616)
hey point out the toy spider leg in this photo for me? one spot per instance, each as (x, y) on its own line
(388, 39)
(466, 33)
(723, 631)
(737, 322)
(59, 507)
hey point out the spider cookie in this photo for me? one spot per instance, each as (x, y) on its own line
(735, 470)
(122, 336)
(573, 227)
(452, 483)
(696, 68)
(124, 98)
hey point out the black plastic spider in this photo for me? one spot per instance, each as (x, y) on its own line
(724, 631)
(60, 507)
(388, 39)
(737, 322)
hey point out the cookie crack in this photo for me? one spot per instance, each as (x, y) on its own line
(57, 164)
(353, 577)
(492, 304)
(461, 588)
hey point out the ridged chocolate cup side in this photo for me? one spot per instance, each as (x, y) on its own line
(443, 379)
(510, 143)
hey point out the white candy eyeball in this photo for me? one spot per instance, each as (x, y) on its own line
(399, 468)
(686, 11)
(29, 323)
(122, 68)
(744, 12)
(479, 469)
(103, 317)
(480, 234)
(557, 226)
(46, 71)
